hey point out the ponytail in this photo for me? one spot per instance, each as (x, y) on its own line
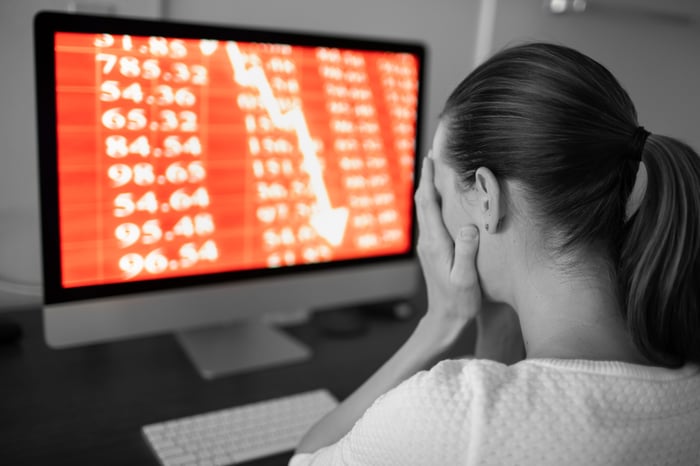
(660, 256)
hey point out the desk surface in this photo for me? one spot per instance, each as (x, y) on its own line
(86, 406)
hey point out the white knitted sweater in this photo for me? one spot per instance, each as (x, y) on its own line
(537, 412)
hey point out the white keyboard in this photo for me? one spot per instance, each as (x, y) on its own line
(238, 434)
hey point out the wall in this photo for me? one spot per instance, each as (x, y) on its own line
(653, 48)
(447, 27)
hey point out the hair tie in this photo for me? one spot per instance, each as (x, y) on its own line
(639, 138)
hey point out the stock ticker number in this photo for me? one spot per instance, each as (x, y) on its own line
(150, 118)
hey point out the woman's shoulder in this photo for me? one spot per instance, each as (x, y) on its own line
(438, 410)
(482, 382)
(469, 375)
(454, 379)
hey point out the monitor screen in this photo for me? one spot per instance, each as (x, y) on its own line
(176, 155)
(180, 156)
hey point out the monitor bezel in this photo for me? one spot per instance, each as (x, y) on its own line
(46, 24)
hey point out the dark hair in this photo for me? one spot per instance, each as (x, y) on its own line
(560, 124)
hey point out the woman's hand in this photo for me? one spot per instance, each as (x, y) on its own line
(449, 265)
(454, 297)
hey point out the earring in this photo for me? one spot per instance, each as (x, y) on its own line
(487, 227)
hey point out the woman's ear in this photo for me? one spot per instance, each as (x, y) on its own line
(489, 198)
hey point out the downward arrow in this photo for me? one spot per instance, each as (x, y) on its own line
(328, 222)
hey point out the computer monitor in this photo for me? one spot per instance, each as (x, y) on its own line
(196, 178)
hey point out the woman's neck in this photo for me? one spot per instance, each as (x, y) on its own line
(573, 317)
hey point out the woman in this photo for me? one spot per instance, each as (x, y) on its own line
(543, 194)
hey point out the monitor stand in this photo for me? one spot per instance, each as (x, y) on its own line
(239, 347)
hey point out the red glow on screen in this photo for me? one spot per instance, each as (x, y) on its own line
(184, 156)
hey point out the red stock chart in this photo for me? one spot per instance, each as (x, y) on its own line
(182, 156)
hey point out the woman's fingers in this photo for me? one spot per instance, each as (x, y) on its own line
(463, 271)
(431, 226)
